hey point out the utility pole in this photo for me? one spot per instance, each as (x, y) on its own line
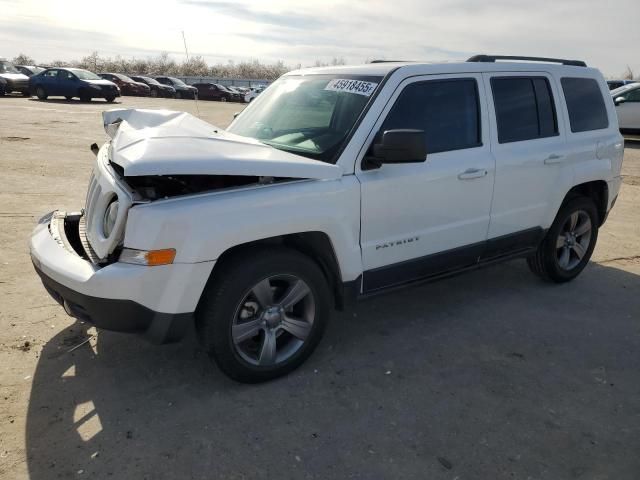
(185, 45)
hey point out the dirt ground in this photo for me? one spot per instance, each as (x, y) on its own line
(488, 375)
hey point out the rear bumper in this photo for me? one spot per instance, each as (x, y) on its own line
(157, 302)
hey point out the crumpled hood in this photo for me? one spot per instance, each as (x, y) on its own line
(164, 142)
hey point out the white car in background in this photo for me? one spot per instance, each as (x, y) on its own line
(11, 80)
(627, 101)
(253, 93)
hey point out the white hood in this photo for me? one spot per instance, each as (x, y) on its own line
(14, 76)
(163, 142)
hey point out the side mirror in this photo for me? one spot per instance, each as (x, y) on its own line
(619, 100)
(398, 146)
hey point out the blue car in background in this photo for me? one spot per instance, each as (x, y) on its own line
(72, 82)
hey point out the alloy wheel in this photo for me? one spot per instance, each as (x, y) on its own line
(573, 241)
(273, 320)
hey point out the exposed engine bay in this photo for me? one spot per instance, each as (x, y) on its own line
(155, 187)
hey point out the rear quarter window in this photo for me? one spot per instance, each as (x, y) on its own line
(524, 108)
(585, 104)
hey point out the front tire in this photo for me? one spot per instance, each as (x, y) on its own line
(264, 313)
(110, 99)
(569, 243)
(41, 93)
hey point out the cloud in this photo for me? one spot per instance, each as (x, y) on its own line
(303, 32)
(55, 41)
(244, 12)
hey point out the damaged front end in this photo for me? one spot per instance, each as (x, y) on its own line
(155, 187)
(158, 154)
(162, 154)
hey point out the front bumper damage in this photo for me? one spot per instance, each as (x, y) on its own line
(153, 301)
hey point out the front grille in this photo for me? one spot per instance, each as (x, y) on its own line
(103, 189)
(93, 195)
(19, 84)
(86, 246)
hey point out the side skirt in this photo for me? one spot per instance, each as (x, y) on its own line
(451, 262)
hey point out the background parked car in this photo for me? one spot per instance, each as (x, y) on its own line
(127, 85)
(157, 88)
(613, 84)
(29, 70)
(213, 91)
(237, 90)
(253, 93)
(627, 101)
(72, 82)
(13, 80)
(182, 89)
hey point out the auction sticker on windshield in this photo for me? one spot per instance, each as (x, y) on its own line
(358, 87)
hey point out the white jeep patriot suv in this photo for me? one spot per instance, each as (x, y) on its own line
(334, 184)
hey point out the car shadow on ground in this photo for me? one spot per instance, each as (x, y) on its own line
(632, 142)
(74, 101)
(492, 374)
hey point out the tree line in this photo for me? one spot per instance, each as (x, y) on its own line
(163, 64)
(195, 66)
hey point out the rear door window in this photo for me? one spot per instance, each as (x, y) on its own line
(524, 108)
(585, 104)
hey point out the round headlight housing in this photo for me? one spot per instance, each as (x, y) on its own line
(109, 220)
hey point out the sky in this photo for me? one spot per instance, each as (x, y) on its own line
(605, 35)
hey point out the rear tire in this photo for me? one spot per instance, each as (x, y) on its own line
(26, 94)
(69, 98)
(41, 93)
(251, 307)
(569, 243)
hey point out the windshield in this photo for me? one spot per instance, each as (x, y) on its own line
(6, 67)
(150, 81)
(85, 74)
(627, 87)
(177, 81)
(308, 115)
(122, 77)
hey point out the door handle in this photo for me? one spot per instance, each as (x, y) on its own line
(553, 158)
(471, 173)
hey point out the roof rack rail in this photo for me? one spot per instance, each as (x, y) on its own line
(389, 61)
(493, 58)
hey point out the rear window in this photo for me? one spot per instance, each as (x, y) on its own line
(524, 108)
(585, 104)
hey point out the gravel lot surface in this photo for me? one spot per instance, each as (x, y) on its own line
(487, 375)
